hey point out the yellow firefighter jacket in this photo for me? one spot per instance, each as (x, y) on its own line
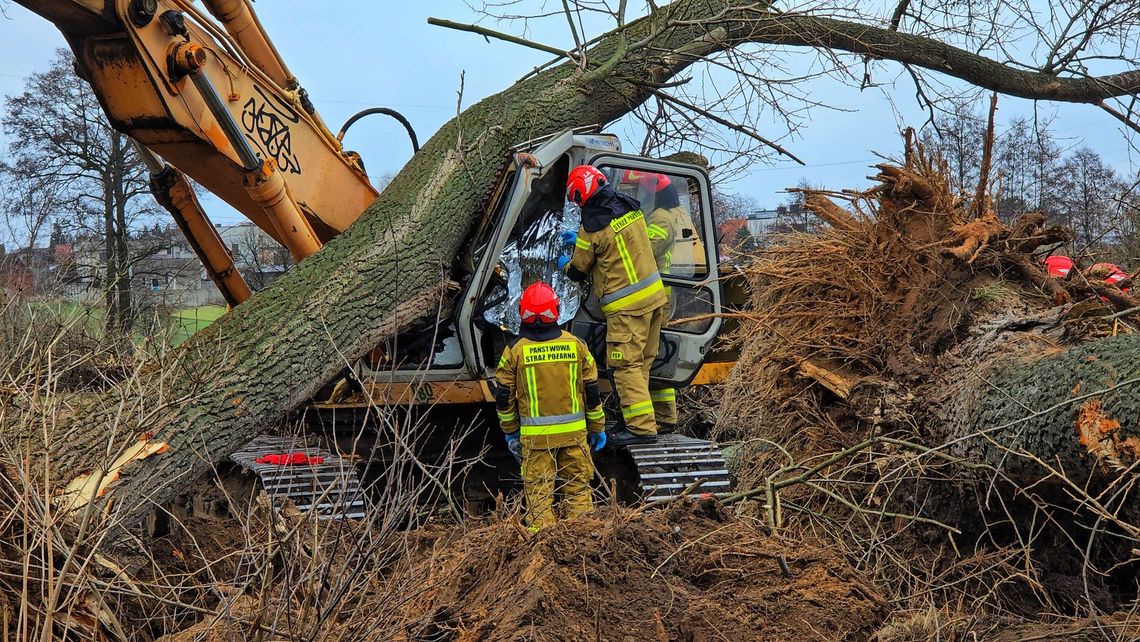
(620, 260)
(548, 390)
(672, 246)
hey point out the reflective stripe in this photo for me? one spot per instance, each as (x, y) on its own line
(507, 417)
(594, 415)
(575, 401)
(552, 420)
(657, 232)
(581, 243)
(626, 260)
(532, 392)
(665, 394)
(637, 409)
(631, 294)
(554, 425)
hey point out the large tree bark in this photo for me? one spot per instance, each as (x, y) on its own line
(1075, 413)
(274, 352)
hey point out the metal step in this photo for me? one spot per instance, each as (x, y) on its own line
(674, 462)
(329, 489)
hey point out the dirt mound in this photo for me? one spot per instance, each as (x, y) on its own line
(689, 573)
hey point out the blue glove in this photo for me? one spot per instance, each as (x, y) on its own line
(597, 440)
(569, 237)
(514, 444)
(563, 261)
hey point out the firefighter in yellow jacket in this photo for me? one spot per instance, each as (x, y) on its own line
(550, 408)
(612, 247)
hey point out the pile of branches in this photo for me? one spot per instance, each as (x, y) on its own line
(898, 277)
(845, 400)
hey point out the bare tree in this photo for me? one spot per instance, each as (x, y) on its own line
(260, 259)
(1029, 161)
(70, 161)
(1090, 197)
(956, 137)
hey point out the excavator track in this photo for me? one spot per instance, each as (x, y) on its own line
(675, 462)
(331, 488)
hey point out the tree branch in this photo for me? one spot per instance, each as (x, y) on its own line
(852, 37)
(498, 35)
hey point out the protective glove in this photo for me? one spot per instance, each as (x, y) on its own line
(597, 440)
(563, 261)
(569, 237)
(514, 444)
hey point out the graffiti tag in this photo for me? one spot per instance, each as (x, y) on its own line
(266, 120)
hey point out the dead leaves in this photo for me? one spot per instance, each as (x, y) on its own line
(1100, 434)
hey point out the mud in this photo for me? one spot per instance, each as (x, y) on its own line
(691, 573)
(694, 572)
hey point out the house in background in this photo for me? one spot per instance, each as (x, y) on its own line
(260, 259)
(36, 271)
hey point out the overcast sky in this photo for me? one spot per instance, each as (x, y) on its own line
(354, 54)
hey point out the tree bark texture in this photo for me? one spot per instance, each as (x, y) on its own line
(1076, 411)
(275, 351)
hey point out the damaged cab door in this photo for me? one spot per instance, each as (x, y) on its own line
(677, 203)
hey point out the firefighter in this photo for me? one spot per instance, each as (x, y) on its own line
(612, 247)
(667, 225)
(550, 408)
(1112, 273)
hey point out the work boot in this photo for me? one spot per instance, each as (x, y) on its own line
(620, 438)
(666, 429)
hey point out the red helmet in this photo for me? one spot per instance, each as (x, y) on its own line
(1058, 266)
(583, 181)
(648, 181)
(539, 304)
(1112, 272)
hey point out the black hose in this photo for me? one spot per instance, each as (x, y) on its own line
(381, 110)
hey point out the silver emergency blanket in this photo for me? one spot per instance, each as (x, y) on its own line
(534, 257)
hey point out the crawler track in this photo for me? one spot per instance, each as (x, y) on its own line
(675, 462)
(331, 488)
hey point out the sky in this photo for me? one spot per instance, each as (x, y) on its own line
(353, 54)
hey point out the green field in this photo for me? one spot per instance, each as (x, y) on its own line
(187, 321)
(179, 324)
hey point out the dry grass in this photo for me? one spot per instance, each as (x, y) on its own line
(228, 562)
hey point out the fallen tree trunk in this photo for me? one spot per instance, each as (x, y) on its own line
(275, 351)
(133, 449)
(1074, 413)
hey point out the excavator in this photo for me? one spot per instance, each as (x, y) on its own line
(205, 94)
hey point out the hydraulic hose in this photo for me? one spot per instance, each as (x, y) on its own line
(387, 112)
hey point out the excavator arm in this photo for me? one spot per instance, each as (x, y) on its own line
(209, 97)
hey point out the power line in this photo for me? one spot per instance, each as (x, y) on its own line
(811, 165)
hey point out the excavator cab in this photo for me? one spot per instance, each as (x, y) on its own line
(523, 247)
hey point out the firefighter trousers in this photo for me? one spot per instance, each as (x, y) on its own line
(632, 341)
(665, 399)
(545, 471)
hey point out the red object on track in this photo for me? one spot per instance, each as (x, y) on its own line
(290, 459)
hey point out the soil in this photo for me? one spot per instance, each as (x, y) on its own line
(693, 573)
